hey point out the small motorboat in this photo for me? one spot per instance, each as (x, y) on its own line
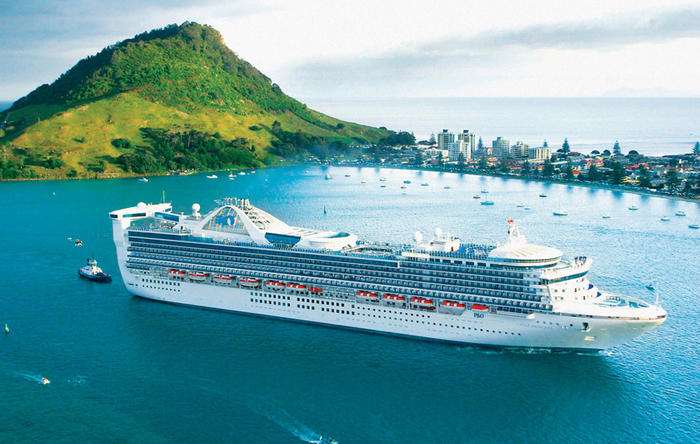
(447, 187)
(694, 226)
(633, 208)
(143, 179)
(424, 185)
(520, 205)
(403, 187)
(347, 175)
(93, 273)
(44, 381)
(665, 219)
(406, 181)
(78, 243)
(680, 213)
(7, 330)
(560, 213)
(543, 195)
(606, 216)
(382, 186)
(476, 196)
(212, 176)
(650, 287)
(486, 202)
(484, 191)
(242, 173)
(382, 179)
(363, 181)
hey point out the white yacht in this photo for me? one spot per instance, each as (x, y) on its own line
(241, 259)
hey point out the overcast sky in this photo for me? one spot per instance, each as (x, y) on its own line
(403, 48)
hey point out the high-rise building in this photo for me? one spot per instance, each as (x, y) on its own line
(467, 140)
(444, 139)
(519, 150)
(540, 153)
(501, 147)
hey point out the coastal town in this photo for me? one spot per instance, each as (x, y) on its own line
(676, 175)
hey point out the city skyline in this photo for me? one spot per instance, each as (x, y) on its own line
(391, 49)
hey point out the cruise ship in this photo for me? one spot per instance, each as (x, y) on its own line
(241, 259)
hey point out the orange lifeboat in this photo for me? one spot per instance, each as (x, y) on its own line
(367, 295)
(197, 276)
(274, 285)
(393, 299)
(315, 290)
(453, 304)
(177, 273)
(423, 303)
(479, 307)
(249, 282)
(223, 278)
(296, 287)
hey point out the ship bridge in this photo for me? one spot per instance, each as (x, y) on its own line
(519, 253)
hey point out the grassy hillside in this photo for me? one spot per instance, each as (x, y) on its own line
(113, 113)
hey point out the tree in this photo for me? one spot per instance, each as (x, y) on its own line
(593, 173)
(503, 166)
(480, 146)
(525, 170)
(606, 152)
(440, 160)
(618, 173)
(696, 149)
(569, 171)
(432, 139)
(644, 179)
(545, 144)
(633, 154)
(595, 153)
(483, 163)
(616, 149)
(673, 163)
(672, 179)
(565, 146)
(548, 168)
(460, 160)
(418, 160)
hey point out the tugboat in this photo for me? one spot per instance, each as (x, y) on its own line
(94, 273)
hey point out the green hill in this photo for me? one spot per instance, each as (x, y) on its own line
(171, 98)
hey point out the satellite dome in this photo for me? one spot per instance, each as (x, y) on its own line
(195, 207)
(418, 236)
(141, 205)
(438, 233)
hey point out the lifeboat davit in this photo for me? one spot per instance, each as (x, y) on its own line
(479, 307)
(274, 285)
(453, 304)
(296, 287)
(393, 299)
(198, 276)
(315, 290)
(223, 278)
(249, 282)
(423, 303)
(368, 295)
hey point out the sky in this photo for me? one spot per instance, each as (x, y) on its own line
(357, 49)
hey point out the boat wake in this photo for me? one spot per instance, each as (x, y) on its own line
(31, 377)
(283, 419)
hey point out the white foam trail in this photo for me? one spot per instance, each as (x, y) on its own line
(289, 423)
(32, 377)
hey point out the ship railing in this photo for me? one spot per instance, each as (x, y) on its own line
(264, 274)
(368, 281)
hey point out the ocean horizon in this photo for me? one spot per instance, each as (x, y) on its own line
(652, 126)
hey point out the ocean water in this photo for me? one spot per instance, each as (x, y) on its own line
(123, 369)
(652, 126)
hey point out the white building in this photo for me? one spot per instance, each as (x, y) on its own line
(519, 150)
(466, 145)
(541, 153)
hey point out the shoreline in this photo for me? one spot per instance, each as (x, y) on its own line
(600, 186)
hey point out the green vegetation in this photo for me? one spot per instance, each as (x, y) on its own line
(111, 113)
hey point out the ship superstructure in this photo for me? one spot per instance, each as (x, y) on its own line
(239, 258)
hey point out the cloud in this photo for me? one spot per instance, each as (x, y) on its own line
(490, 56)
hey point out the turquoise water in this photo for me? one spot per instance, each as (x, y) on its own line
(129, 370)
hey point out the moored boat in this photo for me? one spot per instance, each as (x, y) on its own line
(680, 213)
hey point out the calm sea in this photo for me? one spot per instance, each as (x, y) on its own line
(124, 369)
(650, 126)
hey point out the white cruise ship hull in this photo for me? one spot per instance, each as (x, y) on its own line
(549, 331)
